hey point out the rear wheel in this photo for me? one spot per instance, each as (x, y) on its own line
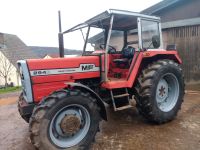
(160, 91)
(65, 120)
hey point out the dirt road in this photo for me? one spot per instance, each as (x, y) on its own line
(125, 130)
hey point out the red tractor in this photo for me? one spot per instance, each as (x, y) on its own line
(64, 99)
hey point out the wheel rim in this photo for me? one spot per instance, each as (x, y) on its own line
(69, 126)
(167, 92)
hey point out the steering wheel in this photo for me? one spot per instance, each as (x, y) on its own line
(111, 49)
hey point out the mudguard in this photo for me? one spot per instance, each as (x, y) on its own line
(100, 102)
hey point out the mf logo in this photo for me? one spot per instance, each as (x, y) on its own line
(87, 67)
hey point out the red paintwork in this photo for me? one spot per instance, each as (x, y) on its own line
(125, 82)
(64, 77)
(128, 82)
(163, 52)
(56, 63)
(41, 90)
(44, 85)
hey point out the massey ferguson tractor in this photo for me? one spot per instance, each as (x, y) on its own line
(64, 99)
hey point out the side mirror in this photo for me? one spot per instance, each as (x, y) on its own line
(156, 41)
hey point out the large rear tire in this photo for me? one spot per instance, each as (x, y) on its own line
(160, 91)
(67, 119)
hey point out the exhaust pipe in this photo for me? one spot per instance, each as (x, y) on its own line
(60, 37)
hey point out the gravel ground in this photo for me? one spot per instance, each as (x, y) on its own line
(125, 130)
(13, 94)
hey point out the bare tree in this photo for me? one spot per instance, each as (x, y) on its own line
(5, 68)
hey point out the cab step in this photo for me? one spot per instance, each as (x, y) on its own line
(115, 97)
(121, 95)
(123, 107)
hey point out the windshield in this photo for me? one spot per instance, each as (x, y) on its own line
(75, 40)
(149, 29)
(96, 39)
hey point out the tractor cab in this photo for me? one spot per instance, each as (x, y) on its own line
(123, 36)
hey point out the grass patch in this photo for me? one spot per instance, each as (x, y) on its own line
(10, 89)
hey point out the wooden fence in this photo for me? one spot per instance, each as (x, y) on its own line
(187, 40)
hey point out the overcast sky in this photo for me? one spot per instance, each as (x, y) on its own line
(36, 21)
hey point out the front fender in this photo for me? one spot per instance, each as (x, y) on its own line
(100, 102)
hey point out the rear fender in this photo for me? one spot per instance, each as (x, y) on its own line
(147, 57)
(156, 55)
(100, 102)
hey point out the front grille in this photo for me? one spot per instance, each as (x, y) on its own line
(25, 81)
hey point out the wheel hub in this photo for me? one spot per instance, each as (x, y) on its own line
(167, 92)
(70, 124)
(162, 90)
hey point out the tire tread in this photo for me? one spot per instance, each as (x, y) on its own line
(45, 105)
(143, 90)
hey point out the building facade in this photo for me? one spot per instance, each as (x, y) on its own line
(12, 49)
(8, 72)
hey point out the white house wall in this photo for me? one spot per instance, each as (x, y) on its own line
(14, 77)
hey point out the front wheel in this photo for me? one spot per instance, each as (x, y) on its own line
(65, 120)
(160, 91)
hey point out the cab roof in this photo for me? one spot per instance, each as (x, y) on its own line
(123, 20)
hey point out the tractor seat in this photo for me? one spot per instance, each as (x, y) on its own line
(127, 56)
